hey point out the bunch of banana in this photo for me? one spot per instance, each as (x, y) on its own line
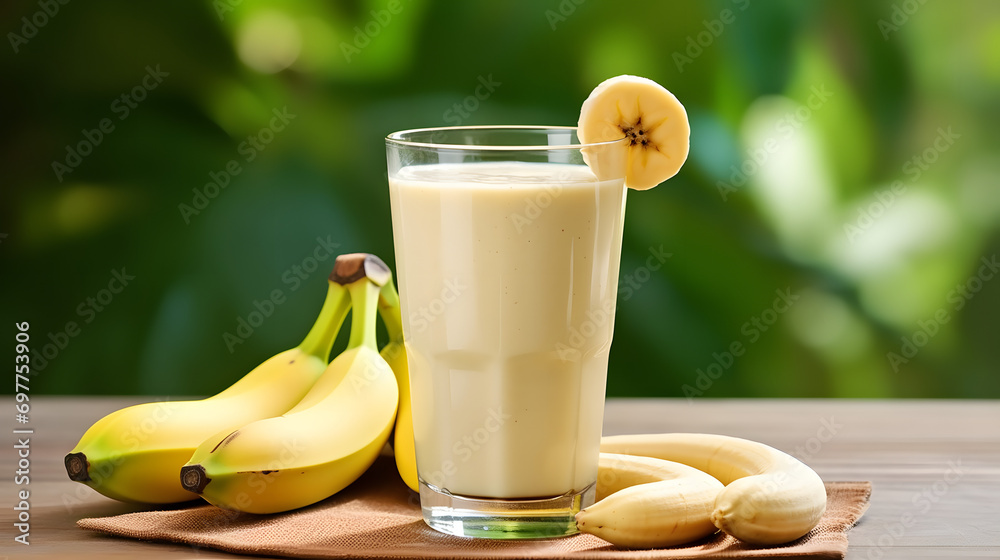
(769, 497)
(134, 454)
(328, 439)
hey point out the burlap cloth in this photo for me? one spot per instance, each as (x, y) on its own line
(378, 517)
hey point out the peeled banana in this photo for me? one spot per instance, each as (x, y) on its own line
(645, 502)
(134, 454)
(770, 497)
(328, 439)
(395, 354)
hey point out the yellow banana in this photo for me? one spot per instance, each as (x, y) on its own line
(645, 502)
(133, 454)
(770, 496)
(327, 440)
(395, 354)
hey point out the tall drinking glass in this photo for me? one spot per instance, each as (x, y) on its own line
(508, 242)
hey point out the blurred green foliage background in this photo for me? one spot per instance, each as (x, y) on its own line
(844, 153)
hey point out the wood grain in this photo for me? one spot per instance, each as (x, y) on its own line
(934, 464)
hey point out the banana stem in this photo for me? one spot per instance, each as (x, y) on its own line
(364, 295)
(324, 331)
(388, 308)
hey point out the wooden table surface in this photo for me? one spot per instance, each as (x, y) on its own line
(934, 465)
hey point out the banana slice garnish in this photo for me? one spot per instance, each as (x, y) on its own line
(650, 117)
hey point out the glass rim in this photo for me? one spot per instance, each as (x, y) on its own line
(395, 138)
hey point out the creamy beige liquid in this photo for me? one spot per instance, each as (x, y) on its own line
(508, 274)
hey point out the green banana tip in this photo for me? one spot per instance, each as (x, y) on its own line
(76, 467)
(352, 267)
(194, 478)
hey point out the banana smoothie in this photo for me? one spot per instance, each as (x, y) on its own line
(508, 274)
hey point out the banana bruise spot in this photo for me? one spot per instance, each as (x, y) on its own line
(194, 478)
(225, 441)
(76, 467)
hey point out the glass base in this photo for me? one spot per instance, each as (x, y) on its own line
(491, 518)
